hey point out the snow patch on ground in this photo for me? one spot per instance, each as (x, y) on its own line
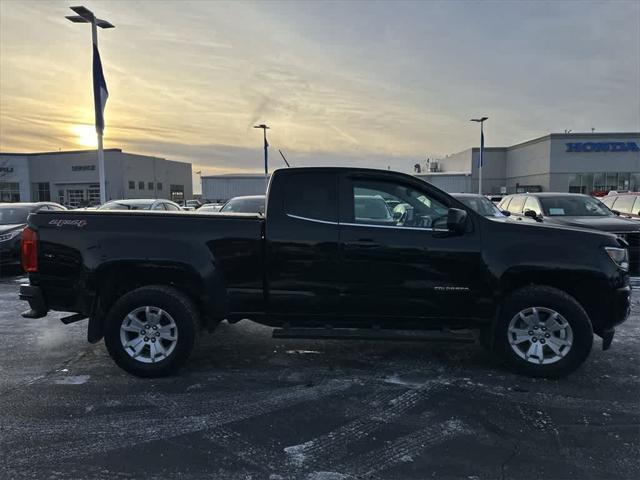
(72, 380)
(326, 476)
(295, 453)
(303, 352)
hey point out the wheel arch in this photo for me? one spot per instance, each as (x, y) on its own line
(114, 279)
(580, 285)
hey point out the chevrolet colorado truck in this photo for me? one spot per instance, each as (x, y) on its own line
(323, 263)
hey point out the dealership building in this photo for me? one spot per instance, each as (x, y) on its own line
(71, 178)
(558, 162)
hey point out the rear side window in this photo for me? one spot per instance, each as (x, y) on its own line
(624, 203)
(516, 204)
(313, 196)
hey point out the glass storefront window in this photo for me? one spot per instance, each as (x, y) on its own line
(599, 182)
(575, 182)
(590, 183)
(40, 192)
(9, 192)
(624, 180)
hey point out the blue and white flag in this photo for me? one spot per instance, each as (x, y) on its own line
(100, 92)
(480, 160)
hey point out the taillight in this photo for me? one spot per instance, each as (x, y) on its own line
(29, 250)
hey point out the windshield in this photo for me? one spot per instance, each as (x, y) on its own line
(125, 206)
(244, 205)
(481, 205)
(574, 206)
(10, 215)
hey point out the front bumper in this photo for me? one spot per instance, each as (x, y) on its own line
(621, 306)
(34, 296)
(620, 311)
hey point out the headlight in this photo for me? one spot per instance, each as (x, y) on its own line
(8, 236)
(620, 257)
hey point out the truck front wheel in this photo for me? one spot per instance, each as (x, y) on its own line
(543, 332)
(150, 331)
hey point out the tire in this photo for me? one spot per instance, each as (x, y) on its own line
(167, 346)
(553, 347)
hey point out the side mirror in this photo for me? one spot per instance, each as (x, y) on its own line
(456, 220)
(616, 212)
(532, 214)
(506, 213)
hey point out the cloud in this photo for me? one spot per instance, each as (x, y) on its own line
(365, 84)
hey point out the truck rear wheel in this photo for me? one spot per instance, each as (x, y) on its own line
(543, 332)
(150, 331)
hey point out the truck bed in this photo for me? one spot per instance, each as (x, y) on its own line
(79, 249)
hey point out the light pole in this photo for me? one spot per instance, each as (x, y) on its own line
(481, 122)
(266, 152)
(100, 92)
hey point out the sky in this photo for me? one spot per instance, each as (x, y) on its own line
(380, 84)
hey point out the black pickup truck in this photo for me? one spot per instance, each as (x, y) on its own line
(339, 253)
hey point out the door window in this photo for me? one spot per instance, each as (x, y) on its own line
(532, 204)
(394, 205)
(313, 196)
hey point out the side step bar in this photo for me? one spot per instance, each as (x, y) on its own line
(374, 334)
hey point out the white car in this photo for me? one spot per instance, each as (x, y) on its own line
(142, 204)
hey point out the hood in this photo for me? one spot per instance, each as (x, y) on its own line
(9, 228)
(605, 224)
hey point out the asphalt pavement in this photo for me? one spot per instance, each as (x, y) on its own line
(248, 406)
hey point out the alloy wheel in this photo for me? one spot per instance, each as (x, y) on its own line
(540, 335)
(148, 334)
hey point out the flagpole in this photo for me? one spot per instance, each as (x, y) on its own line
(84, 15)
(101, 174)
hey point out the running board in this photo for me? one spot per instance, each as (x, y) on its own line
(73, 318)
(374, 334)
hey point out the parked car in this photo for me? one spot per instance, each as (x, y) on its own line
(627, 205)
(210, 207)
(13, 218)
(575, 210)
(312, 269)
(142, 204)
(247, 204)
(495, 198)
(195, 204)
(481, 204)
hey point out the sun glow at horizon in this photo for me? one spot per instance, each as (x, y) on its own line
(85, 135)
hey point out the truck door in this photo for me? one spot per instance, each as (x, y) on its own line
(301, 238)
(410, 265)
